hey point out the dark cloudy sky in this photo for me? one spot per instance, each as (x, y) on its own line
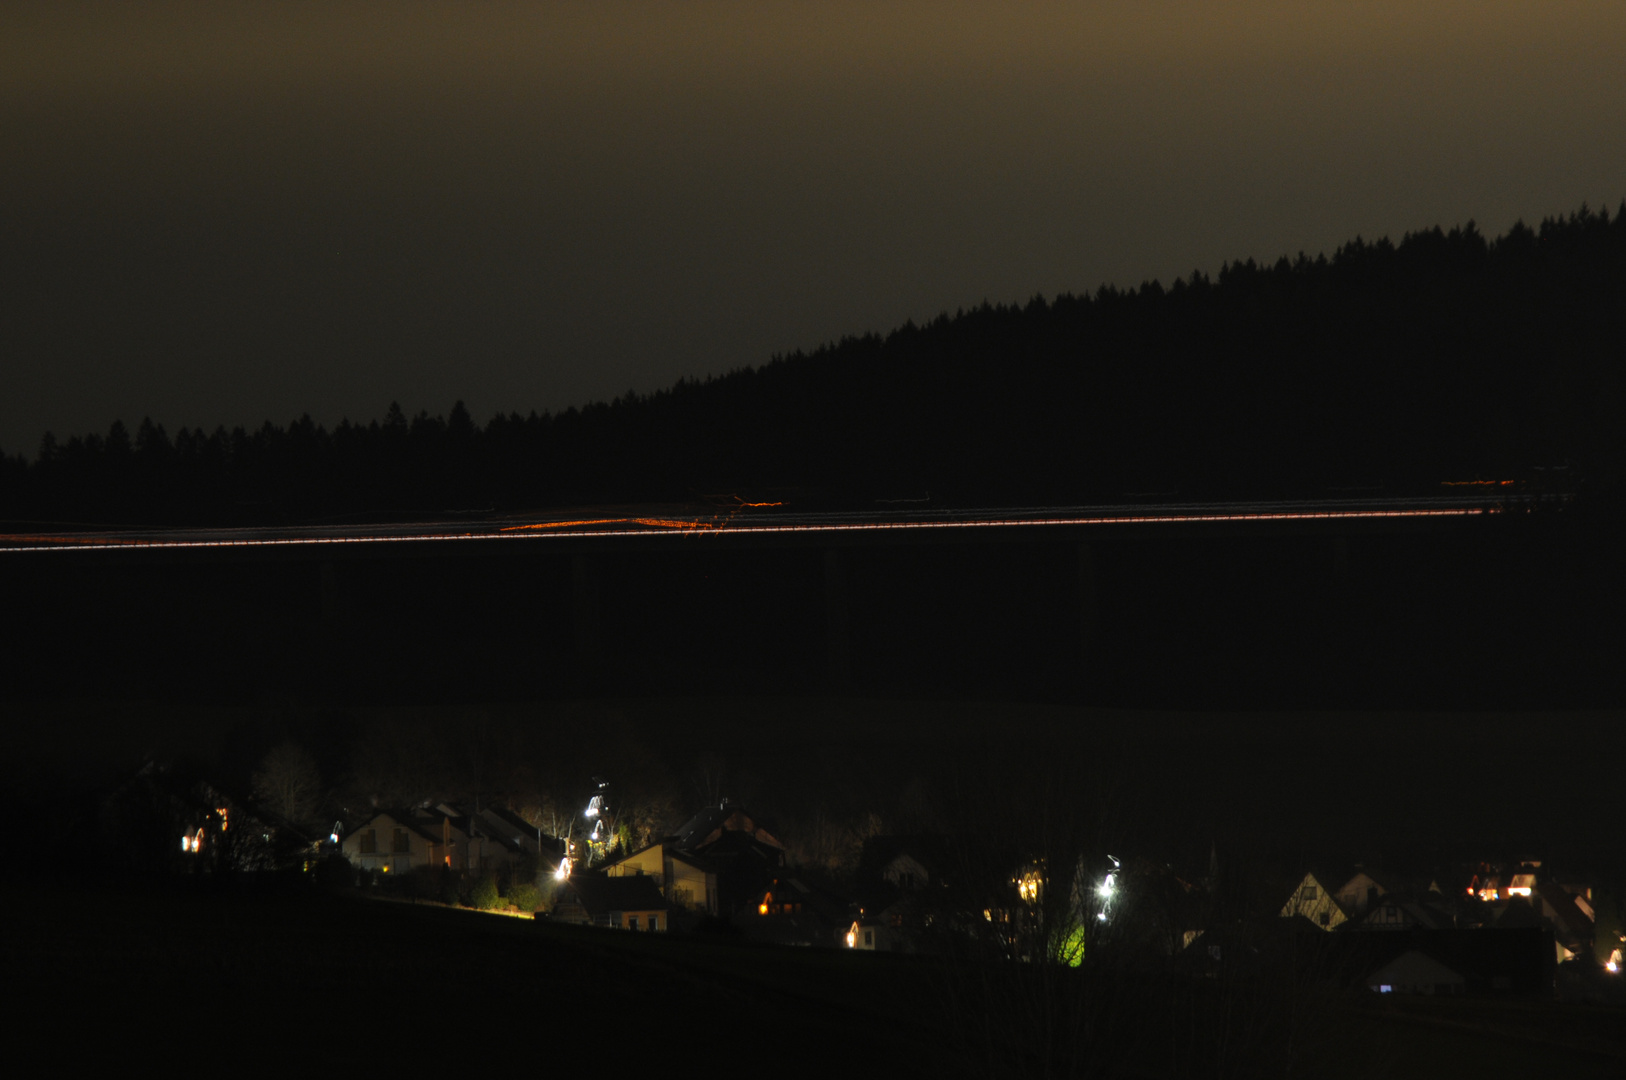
(226, 212)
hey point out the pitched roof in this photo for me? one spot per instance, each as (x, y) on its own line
(598, 893)
(668, 851)
(715, 822)
(400, 818)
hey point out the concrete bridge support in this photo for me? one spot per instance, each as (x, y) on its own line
(837, 621)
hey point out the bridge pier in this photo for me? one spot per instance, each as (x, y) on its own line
(584, 611)
(338, 611)
(837, 622)
(1089, 607)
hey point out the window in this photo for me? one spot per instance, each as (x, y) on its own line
(402, 843)
(369, 842)
(869, 939)
(654, 922)
(1308, 894)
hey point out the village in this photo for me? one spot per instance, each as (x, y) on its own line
(1499, 927)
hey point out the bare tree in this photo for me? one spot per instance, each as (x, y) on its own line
(289, 782)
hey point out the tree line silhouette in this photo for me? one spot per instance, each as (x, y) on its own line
(1388, 366)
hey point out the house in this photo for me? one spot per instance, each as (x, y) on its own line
(1360, 892)
(724, 828)
(626, 903)
(1527, 896)
(1415, 972)
(1312, 900)
(166, 818)
(870, 935)
(477, 843)
(738, 849)
(1554, 909)
(498, 821)
(905, 863)
(792, 912)
(393, 842)
(1395, 912)
(686, 881)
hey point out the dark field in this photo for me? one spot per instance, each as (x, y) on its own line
(270, 978)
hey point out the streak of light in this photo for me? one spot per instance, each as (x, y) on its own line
(676, 527)
(566, 524)
(655, 523)
(665, 523)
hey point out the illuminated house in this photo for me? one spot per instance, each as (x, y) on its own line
(393, 843)
(1564, 914)
(1525, 896)
(685, 881)
(165, 818)
(1312, 900)
(792, 912)
(870, 935)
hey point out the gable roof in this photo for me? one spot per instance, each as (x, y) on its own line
(510, 826)
(398, 818)
(929, 850)
(1413, 967)
(667, 851)
(600, 894)
(714, 823)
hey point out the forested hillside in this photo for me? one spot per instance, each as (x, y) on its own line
(1386, 367)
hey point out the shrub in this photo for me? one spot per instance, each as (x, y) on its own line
(526, 897)
(483, 895)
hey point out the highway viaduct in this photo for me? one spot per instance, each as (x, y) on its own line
(1181, 611)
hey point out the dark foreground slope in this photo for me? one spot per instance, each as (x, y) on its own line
(1388, 368)
(248, 979)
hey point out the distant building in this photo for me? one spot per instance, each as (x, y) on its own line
(1415, 972)
(1311, 899)
(624, 903)
(737, 847)
(393, 842)
(685, 881)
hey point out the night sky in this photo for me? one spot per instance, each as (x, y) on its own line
(230, 213)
